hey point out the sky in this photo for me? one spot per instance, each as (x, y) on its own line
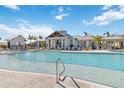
(76, 19)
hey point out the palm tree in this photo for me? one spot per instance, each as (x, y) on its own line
(40, 37)
(30, 38)
(34, 37)
(107, 34)
(85, 33)
(97, 39)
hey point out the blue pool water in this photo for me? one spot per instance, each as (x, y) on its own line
(113, 61)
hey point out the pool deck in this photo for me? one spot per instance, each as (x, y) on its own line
(69, 51)
(15, 79)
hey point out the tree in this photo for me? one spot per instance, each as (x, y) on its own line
(40, 37)
(43, 44)
(97, 39)
(30, 38)
(3, 46)
(34, 37)
(107, 34)
(85, 33)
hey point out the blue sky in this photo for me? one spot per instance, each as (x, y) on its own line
(43, 20)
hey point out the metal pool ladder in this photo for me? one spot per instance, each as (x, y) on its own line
(58, 75)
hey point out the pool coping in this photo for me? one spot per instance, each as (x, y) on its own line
(52, 75)
(9, 52)
(67, 51)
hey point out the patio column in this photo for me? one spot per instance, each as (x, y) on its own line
(62, 43)
(47, 41)
(87, 43)
(76, 43)
(116, 44)
(73, 42)
(66, 43)
(38, 44)
(123, 43)
(119, 44)
(105, 44)
(51, 43)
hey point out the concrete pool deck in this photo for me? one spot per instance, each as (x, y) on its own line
(15, 79)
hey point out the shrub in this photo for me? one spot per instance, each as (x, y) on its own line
(43, 44)
(3, 46)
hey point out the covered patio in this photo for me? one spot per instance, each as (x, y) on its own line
(61, 40)
(115, 42)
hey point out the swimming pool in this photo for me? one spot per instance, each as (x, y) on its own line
(112, 61)
(103, 68)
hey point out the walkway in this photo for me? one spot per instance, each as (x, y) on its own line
(14, 79)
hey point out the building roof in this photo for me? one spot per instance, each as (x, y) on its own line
(113, 38)
(13, 37)
(59, 34)
(88, 37)
(117, 34)
(77, 37)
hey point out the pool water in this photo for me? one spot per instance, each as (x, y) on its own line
(113, 61)
(103, 68)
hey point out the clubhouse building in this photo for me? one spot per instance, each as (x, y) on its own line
(62, 40)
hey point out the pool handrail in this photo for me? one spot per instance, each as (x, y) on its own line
(58, 76)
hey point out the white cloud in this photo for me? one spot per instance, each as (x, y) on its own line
(23, 23)
(60, 9)
(121, 8)
(85, 22)
(60, 13)
(106, 7)
(25, 30)
(107, 17)
(61, 16)
(14, 7)
(4, 28)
